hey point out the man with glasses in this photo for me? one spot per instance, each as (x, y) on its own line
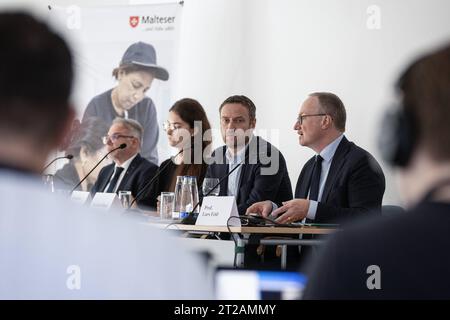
(405, 257)
(130, 171)
(341, 182)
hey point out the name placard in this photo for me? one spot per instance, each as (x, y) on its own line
(80, 197)
(216, 211)
(105, 201)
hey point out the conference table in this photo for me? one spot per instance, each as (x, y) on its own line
(267, 235)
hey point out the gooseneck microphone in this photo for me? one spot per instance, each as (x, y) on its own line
(190, 219)
(69, 157)
(122, 146)
(152, 180)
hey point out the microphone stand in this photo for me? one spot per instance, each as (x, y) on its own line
(122, 146)
(69, 156)
(190, 219)
(148, 184)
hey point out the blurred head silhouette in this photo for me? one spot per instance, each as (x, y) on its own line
(35, 84)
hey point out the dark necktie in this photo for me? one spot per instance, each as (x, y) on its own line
(113, 182)
(314, 188)
(315, 179)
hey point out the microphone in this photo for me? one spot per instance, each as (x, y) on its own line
(122, 146)
(152, 180)
(69, 156)
(190, 219)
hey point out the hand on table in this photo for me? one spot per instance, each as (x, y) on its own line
(292, 211)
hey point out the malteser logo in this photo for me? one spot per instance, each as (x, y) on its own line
(150, 20)
(134, 21)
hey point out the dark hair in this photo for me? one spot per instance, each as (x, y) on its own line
(243, 100)
(36, 75)
(332, 106)
(190, 111)
(129, 68)
(88, 135)
(425, 86)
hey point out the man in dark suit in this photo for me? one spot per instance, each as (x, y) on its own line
(342, 181)
(263, 174)
(129, 172)
(405, 256)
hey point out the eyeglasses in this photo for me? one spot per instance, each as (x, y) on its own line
(114, 137)
(300, 118)
(170, 126)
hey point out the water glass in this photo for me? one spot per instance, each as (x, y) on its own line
(208, 185)
(166, 205)
(125, 198)
(48, 182)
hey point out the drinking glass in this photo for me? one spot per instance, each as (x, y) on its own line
(208, 184)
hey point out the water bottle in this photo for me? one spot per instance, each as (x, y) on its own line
(177, 191)
(48, 182)
(194, 191)
(186, 203)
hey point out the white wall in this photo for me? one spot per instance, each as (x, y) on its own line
(278, 51)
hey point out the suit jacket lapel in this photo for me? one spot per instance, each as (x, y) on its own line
(222, 172)
(304, 180)
(133, 166)
(241, 178)
(336, 164)
(248, 158)
(108, 175)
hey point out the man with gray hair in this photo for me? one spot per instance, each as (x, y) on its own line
(130, 171)
(404, 257)
(341, 182)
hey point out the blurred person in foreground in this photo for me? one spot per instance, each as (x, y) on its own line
(405, 257)
(49, 248)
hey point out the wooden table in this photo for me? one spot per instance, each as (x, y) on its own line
(256, 230)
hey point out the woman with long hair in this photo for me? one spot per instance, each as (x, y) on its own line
(188, 130)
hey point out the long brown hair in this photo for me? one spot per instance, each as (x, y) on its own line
(190, 111)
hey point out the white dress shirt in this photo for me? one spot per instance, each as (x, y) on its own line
(327, 154)
(233, 161)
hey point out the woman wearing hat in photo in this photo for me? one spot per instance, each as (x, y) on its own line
(134, 77)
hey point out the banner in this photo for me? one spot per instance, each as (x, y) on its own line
(99, 37)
